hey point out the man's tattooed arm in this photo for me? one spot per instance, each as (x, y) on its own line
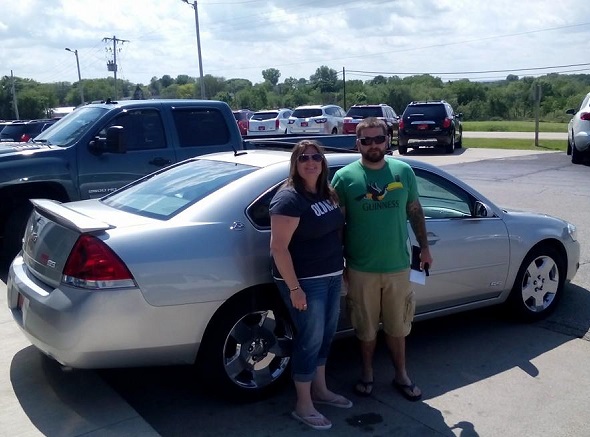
(417, 222)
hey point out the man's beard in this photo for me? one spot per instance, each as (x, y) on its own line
(374, 155)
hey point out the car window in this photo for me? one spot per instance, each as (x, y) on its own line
(440, 198)
(142, 129)
(306, 113)
(427, 111)
(164, 194)
(264, 115)
(200, 127)
(258, 211)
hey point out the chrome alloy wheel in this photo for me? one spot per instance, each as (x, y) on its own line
(257, 350)
(540, 283)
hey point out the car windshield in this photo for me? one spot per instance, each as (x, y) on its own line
(70, 128)
(264, 116)
(364, 112)
(306, 113)
(164, 194)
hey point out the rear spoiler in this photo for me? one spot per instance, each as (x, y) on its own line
(68, 217)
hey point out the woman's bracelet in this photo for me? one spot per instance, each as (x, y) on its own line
(294, 288)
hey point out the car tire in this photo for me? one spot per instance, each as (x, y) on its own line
(246, 350)
(539, 284)
(402, 150)
(14, 229)
(450, 147)
(569, 147)
(576, 155)
(459, 144)
(334, 131)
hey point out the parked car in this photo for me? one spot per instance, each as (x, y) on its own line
(23, 131)
(242, 116)
(385, 112)
(174, 268)
(269, 122)
(317, 119)
(578, 132)
(430, 123)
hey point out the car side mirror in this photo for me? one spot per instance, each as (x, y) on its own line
(113, 143)
(570, 111)
(481, 210)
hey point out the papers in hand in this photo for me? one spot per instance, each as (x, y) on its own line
(417, 276)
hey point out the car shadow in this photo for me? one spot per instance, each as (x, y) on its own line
(431, 150)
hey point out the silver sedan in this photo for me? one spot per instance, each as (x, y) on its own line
(175, 269)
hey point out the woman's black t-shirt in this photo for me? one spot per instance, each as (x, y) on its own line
(316, 244)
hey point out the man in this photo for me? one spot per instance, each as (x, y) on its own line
(378, 196)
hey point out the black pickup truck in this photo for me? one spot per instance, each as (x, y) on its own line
(102, 146)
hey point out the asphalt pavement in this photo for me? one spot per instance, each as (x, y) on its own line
(481, 375)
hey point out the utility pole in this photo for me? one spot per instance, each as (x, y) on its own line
(112, 65)
(537, 96)
(14, 96)
(344, 87)
(201, 82)
(75, 52)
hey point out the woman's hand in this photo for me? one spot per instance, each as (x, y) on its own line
(298, 299)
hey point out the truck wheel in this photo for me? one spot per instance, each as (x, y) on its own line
(450, 148)
(246, 349)
(538, 285)
(14, 229)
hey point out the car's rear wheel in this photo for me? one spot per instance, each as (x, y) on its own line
(14, 229)
(450, 147)
(576, 155)
(459, 143)
(402, 150)
(539, 283)
(246, 349)
(334, 131)
(569, 147)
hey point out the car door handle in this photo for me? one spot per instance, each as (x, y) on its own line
(160, 162)
(432, 238)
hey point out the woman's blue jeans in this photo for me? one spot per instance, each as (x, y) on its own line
(315, 327)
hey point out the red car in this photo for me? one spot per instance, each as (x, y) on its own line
(357, 112)
(242, 116)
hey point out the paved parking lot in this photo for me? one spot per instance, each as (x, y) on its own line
(481, 375)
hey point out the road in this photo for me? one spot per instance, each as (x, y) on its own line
(481, 374)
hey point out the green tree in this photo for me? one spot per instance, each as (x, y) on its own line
(271, 75)
(325, 79)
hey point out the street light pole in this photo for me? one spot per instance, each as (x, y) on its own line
(75, 52)
(202, 83)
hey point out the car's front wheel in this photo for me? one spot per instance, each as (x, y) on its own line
(246, 349)
(539, 283)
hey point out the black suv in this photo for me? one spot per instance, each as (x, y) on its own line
(20, 131)
(430, 123)
(386, 113)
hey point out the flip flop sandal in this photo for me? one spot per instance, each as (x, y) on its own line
(407, 391)
(366, 390)
(309, 420)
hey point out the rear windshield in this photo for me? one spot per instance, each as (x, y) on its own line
(264, 116)
(163, 194)
(365, 112)
(306, 113)
(427, 111)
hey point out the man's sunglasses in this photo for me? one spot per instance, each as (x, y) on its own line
(367, 141)
(305, 157)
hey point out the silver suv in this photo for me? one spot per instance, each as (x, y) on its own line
(317, 119)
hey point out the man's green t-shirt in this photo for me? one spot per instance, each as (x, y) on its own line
(376, 232)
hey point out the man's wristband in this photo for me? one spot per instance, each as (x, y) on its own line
(294, 288)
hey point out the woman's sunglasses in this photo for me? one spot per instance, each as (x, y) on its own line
(305, 157)
(367, 141)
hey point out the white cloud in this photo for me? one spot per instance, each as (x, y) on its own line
(240, 38)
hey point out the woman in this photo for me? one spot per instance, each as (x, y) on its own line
(306, 248)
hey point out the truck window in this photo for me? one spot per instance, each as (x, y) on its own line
(143, 129)
(200, 127)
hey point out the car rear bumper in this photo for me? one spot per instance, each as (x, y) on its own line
(582, 141)
(100, 329)
(424, 138)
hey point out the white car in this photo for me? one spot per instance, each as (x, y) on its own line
(270, 122)
(317, 119)
(578, 132)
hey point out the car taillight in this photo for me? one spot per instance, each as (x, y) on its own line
(321, 120)
(93, 265)
(25, 138)
(401, 124)
(277, 123)
(446, 123)
(585, 116)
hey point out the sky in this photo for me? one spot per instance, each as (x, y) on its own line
(360, 39)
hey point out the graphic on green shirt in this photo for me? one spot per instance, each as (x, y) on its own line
(374, 192)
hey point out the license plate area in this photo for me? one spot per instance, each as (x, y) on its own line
(422, 127)
(304, 124)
